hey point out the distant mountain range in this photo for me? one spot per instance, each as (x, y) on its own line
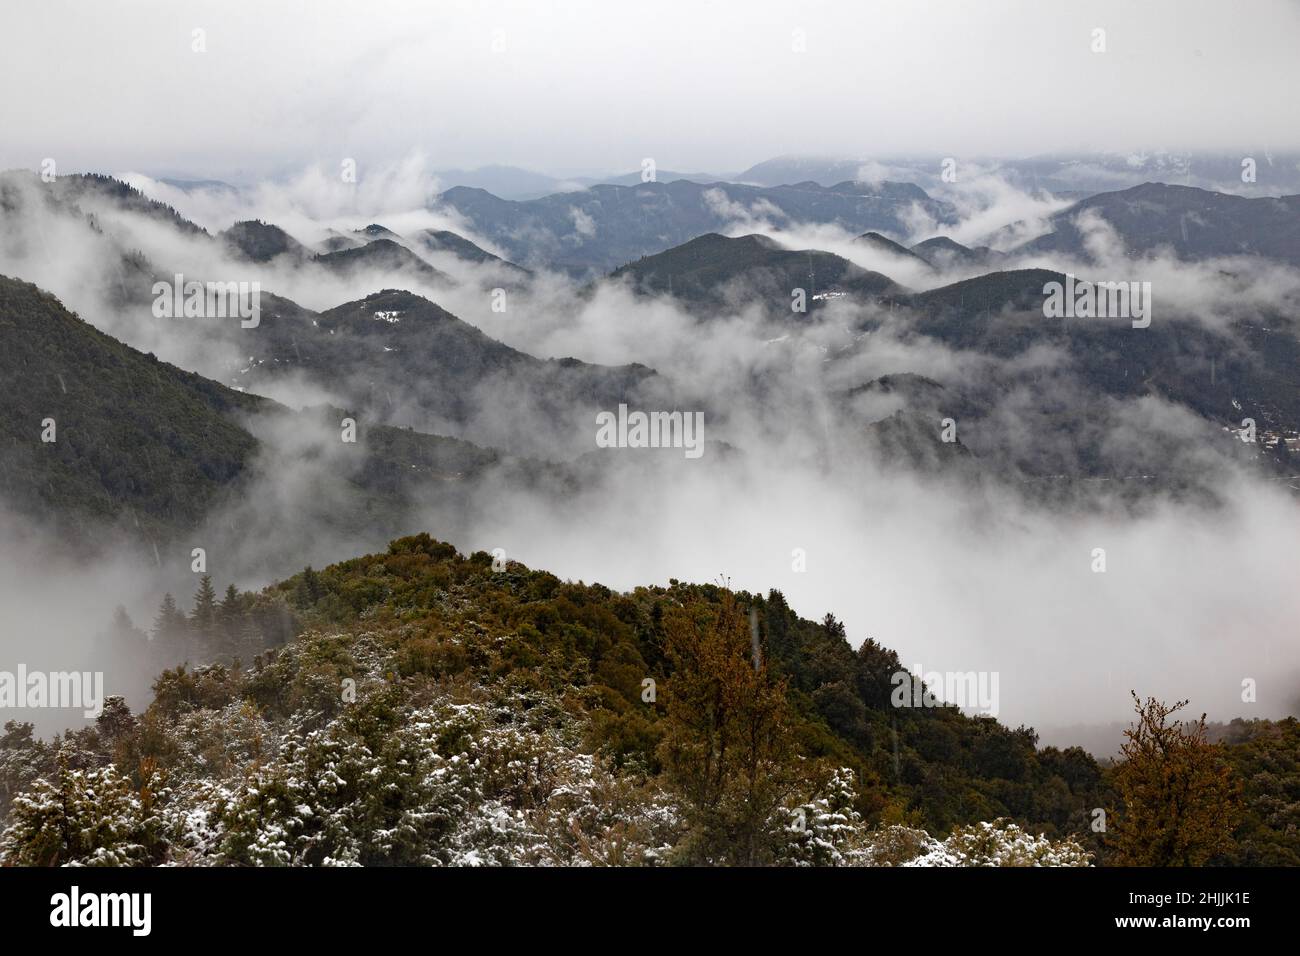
(372, 247)
(511, 182)
(395, 358)
(400, 359)
(600, 229)
(1248, 368)
(587, 229)
(1192, 223)
(1069, 175)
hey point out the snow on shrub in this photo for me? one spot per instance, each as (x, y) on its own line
(999, 843)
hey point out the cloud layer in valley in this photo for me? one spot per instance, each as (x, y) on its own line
(953, 573)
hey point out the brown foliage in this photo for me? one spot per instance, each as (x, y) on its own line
(1180, 801)
(727, 749)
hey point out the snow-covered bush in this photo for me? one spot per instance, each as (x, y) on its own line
(826, 830)
(999, 843)
(450, 784)
(84, 818)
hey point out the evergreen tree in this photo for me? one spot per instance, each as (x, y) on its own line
(777, 626)
(122, 623)
(229, 609)
(166, 613)
(230, 622)
(309, 589)
(91, 816)
(204, 615)
(124, 647)
(171, 632)
(833, 627)
(115, 720)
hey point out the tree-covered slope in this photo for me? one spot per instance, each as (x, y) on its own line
(133, 436)
(144, 446)
(714, 273)
(420, 707)
(647, 705)
(1192, 223)
(598, 229)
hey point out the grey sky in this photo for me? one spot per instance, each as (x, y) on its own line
(582, 86)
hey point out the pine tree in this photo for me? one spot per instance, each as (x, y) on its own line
(230, 622)
(122, 623)
(115, 720)
(204, 615)
(167, 613)
(124, 647)
(229, 609)
(171, 633)
(832, 626)
(309, 589)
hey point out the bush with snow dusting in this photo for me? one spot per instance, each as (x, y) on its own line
(1000, 843)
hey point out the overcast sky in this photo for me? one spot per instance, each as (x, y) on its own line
(574, 87)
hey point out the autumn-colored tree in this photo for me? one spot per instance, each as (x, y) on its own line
(727, 748)
(1180, 799)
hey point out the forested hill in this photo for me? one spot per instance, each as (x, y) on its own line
(97, 436)
(422, 707)
(95, 431)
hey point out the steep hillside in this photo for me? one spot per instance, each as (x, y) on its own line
(135, 438)
(153, 450)
(418, 707)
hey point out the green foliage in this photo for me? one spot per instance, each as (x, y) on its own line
(135, 437)
(417, 706)
(1265, 756)
(87, 818)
